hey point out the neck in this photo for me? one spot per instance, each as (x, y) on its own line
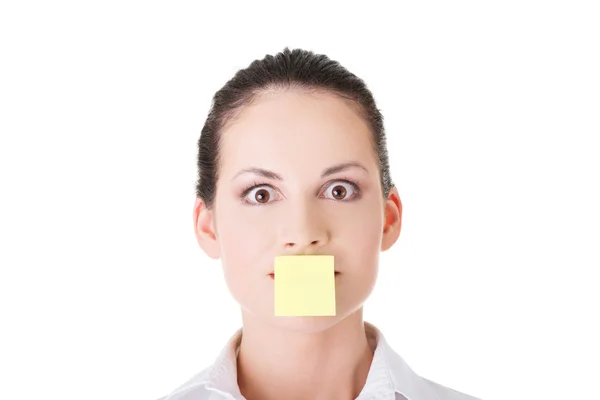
(330, 364)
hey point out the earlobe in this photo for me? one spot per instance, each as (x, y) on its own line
(204, 229)
(392, 221)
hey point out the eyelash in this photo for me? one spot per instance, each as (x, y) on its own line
(256, 184)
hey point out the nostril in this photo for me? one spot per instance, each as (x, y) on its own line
(313, 243)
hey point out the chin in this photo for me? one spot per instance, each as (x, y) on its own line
(308, 325)
(261, 310)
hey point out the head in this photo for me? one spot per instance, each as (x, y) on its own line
(293, 160)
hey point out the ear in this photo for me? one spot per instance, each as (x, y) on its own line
(204, 229)
(392, 220)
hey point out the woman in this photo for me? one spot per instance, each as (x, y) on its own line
(293, 161)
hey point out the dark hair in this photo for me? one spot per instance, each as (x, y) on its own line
(296, 68)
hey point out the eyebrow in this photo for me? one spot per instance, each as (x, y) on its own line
(329, 171)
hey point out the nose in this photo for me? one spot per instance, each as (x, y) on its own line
(303, 230)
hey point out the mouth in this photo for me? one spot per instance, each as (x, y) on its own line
(272, 275)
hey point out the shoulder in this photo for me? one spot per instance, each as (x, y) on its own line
(196, 393)
(193, 386)
(445, 393)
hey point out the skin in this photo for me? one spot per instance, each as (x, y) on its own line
(298, 135)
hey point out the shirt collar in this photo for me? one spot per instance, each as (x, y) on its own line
(389, 373)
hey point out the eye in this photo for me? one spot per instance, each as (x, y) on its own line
(341, 190)
(259, 195)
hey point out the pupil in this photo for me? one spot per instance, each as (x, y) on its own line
(339, 191)
(262, 196)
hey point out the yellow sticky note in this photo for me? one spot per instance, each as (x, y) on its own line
(304, 286)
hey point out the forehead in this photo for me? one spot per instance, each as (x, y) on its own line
(288, 129)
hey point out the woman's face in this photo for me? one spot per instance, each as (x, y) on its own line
(298, 175)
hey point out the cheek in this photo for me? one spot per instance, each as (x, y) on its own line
(244, 237)
(245, 243)
(362, 225)
(360, 238)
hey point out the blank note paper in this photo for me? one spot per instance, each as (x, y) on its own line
(304, 286)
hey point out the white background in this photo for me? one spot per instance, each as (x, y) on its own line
(492, 115)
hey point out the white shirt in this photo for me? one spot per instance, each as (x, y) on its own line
(389, 378)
